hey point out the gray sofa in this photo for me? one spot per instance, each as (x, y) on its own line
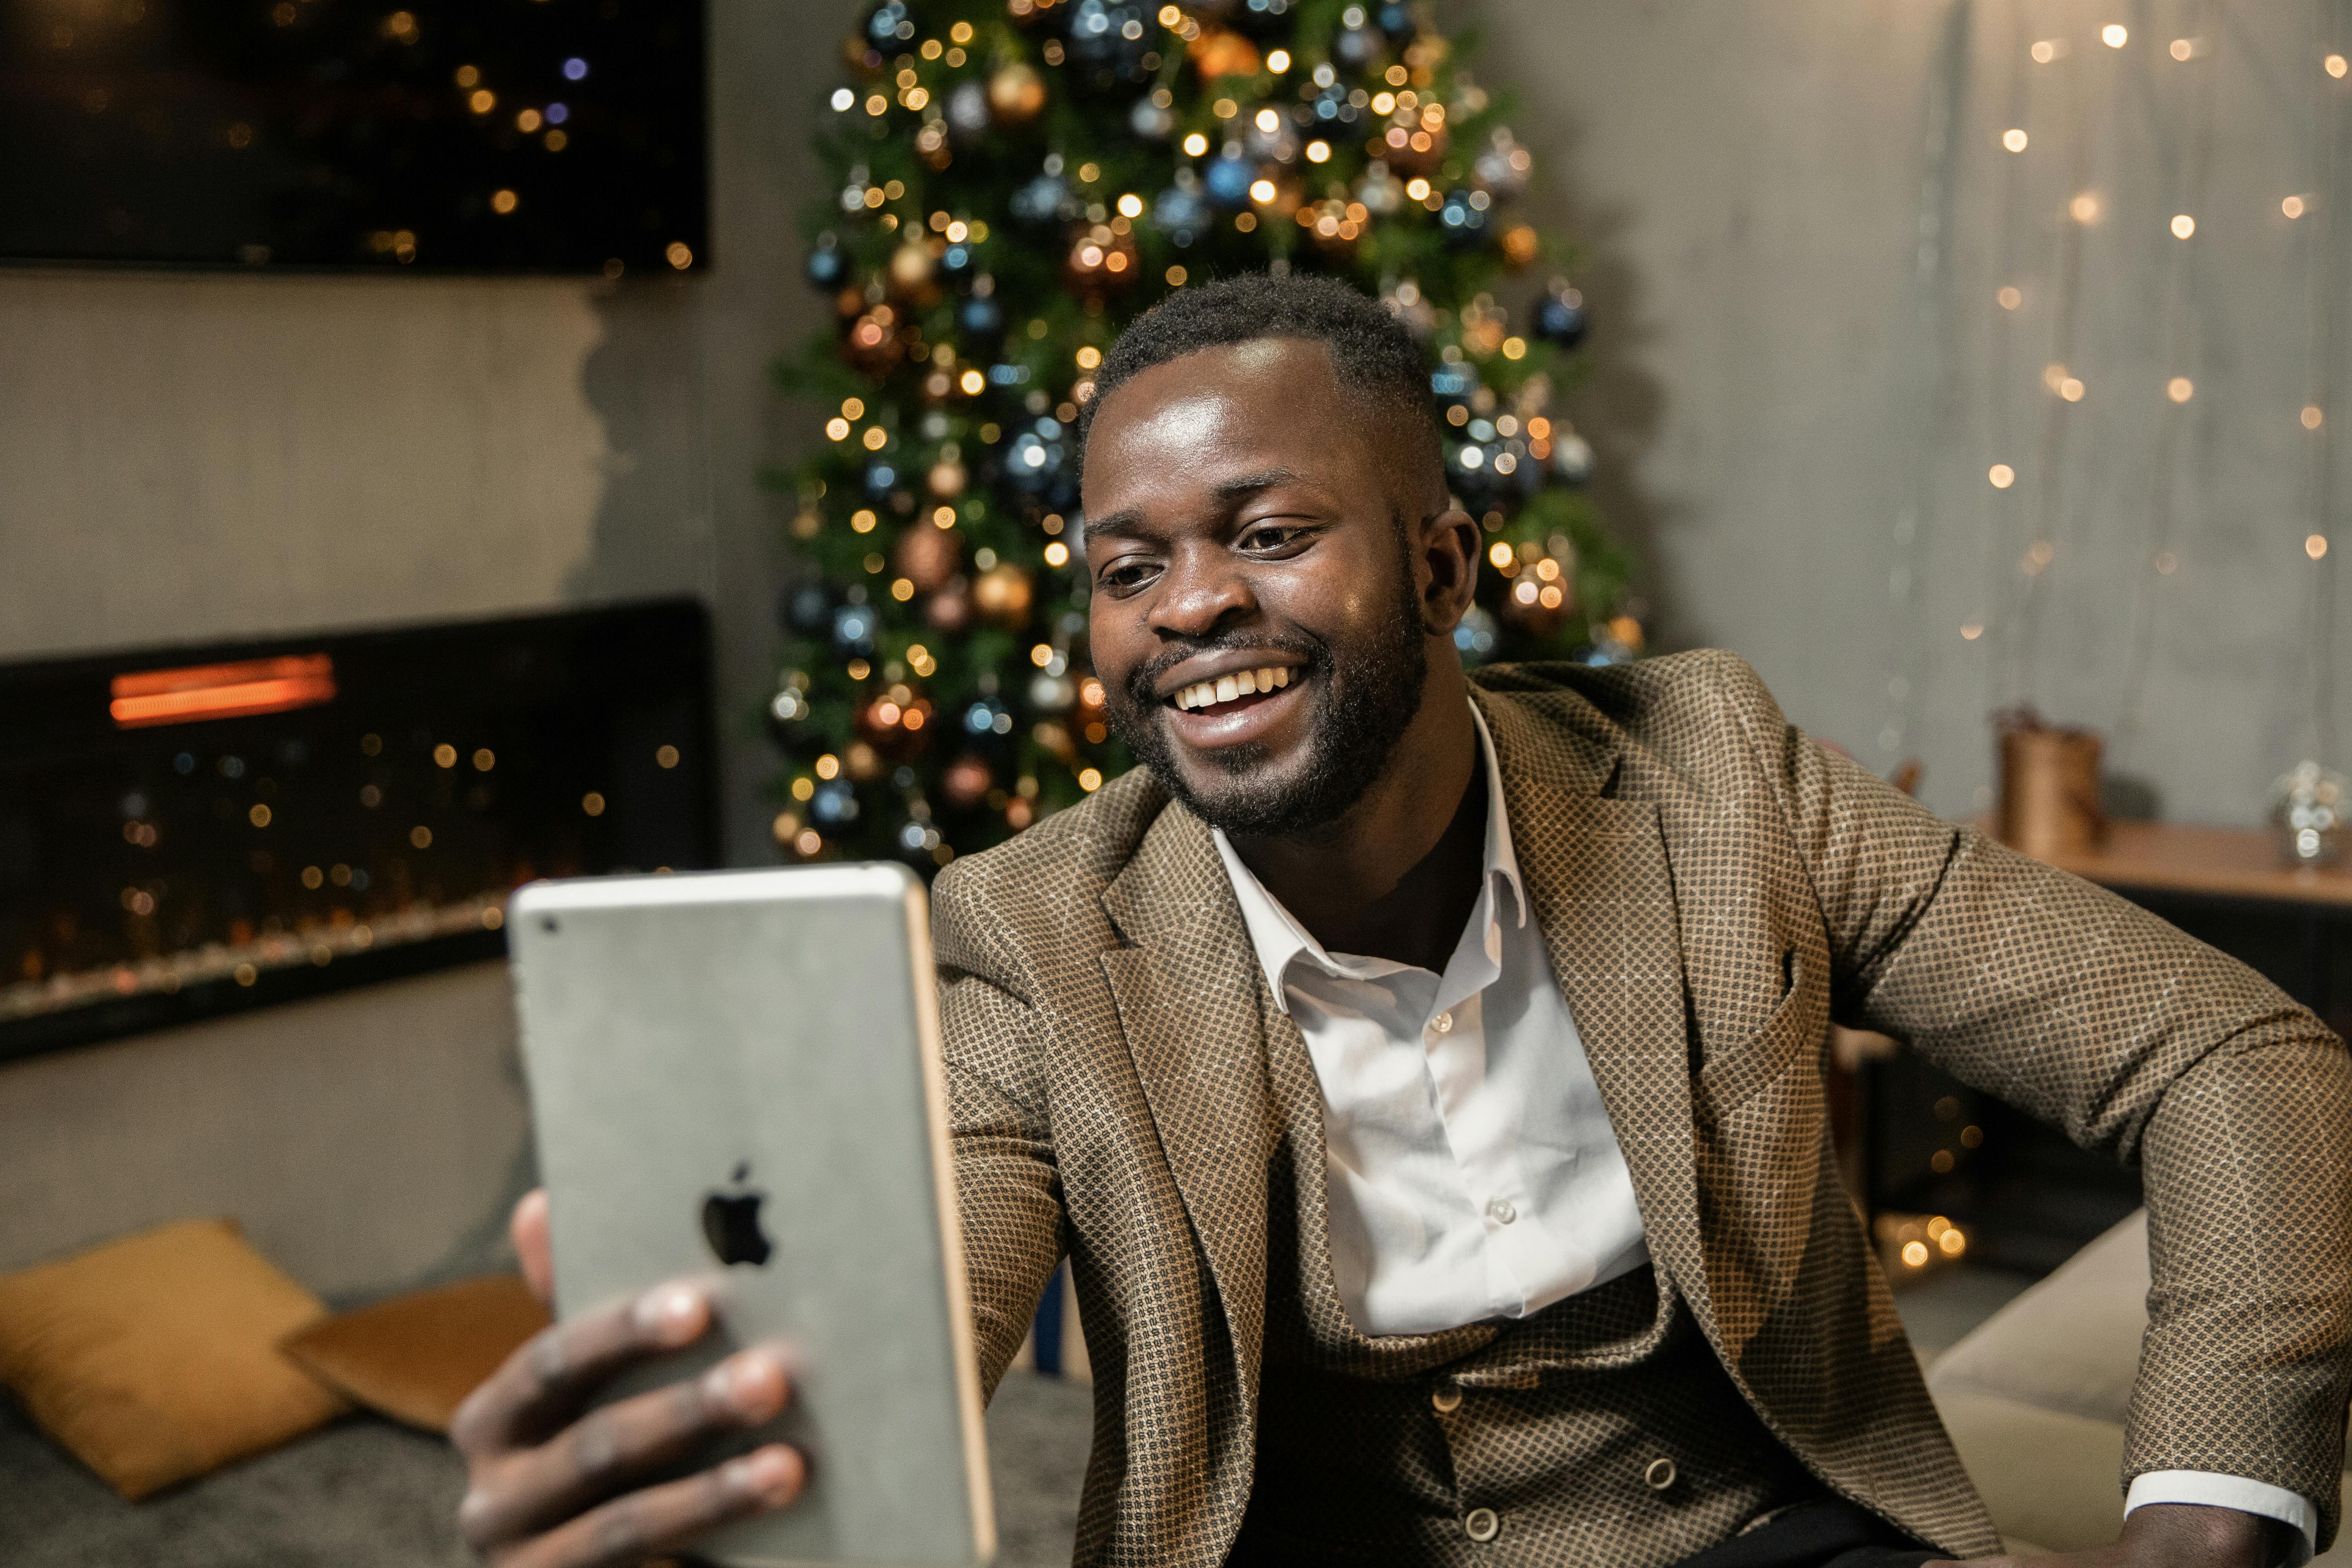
(2035, 1395)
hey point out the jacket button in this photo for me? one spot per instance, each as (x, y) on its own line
(1659, 1474)
(1481, 1524)
(1446, 1398)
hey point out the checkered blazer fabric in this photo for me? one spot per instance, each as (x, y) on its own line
(1713, 888)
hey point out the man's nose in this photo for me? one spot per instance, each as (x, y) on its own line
(1202, 590)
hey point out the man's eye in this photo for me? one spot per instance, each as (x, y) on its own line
(1125, 574)
(1273, 536)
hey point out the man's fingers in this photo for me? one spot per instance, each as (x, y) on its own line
(550, 1376)
(529, 1229)
(627, 1530)
(605, 1449)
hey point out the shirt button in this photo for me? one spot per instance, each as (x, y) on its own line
(1446, 1398)
(1442, 1023)
(1501, 1211)
(1481, 1524)
(1659, 1474)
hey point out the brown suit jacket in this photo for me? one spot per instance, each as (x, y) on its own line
(1713, 888)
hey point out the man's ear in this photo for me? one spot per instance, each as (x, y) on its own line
(1448, 545)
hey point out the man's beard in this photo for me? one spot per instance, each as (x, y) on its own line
(1360, 715)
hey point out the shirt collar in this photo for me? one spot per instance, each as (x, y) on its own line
(1280, 941)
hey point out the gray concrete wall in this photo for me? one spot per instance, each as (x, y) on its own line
(1795, 416)
(189, 457)
(1799, 214)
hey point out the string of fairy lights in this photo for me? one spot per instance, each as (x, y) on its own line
(2074, 102)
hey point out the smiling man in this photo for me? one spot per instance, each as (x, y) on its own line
(1422, 1074)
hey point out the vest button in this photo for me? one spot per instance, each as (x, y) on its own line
(1481, 1524)
(1446, 1398)
(1659, 1474)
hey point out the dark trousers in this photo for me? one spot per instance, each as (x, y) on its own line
(1831, 1533)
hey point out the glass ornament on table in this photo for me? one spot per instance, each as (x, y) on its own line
(2311, 811)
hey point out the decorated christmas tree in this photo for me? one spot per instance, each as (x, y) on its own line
(1015, 181)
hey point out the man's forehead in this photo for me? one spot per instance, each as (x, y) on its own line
(1258, 397)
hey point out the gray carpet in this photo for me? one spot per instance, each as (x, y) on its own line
(365, 1493)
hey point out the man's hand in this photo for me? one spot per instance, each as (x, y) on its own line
(2173, 1535)
(550, 1488)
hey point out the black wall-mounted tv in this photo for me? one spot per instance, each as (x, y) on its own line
(429, 135)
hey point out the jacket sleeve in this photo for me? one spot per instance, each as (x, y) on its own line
(2136, 1040)
(1008, 1189)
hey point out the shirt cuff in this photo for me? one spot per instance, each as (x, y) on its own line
(2211, 1491)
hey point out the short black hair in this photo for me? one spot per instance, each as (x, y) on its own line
(1372, 353)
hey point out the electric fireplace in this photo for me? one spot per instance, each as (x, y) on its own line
(185, 831)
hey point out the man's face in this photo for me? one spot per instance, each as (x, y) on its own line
(1256, 617)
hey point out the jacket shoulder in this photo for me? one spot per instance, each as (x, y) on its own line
(1693, 715)
(1043, 887)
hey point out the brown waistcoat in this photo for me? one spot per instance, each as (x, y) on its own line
(1601, 1430)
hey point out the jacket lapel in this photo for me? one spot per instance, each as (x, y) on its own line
(1186, 990)
(1598, 877)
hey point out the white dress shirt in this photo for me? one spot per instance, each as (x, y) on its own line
(1470, 1169)
(1470, 1166)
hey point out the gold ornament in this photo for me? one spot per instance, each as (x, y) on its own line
(1003, 596)
(1101, 261)
(926, 556)
(861, 762)
(911, 271)
(946, 479)
(871, 344)
(950, 609)
(1016, 95)
(967, 781)
(1520, 245)
(1218, 52)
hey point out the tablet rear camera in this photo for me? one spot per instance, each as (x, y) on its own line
(547, 923)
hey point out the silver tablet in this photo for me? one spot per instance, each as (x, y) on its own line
(735, 1075)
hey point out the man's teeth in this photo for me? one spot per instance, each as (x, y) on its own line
(1225, 688)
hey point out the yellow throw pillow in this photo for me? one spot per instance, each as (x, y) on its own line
(154, 1359)
(415, 1357)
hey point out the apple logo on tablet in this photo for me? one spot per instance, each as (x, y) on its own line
(731, 1222)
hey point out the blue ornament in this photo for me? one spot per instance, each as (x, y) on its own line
(1046, 199)
(981, 317)
(828, 265)
(854, 628)
(889, 24)
(834, 802)
(1181, 214)
(1108, 39)
(1358, 46)
(1394, 17)
(956, 262)
(806, 607)
(1035, 459)
(987, 717)
(1152, 121)
(1571, 456)
(1330, 106)
(1476, 636)
(881, 479)
(1228, 179)
(1454, 383)
(788, 714)
(1560, 319)
(1463, 218)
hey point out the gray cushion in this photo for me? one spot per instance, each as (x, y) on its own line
(2069, 1345)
